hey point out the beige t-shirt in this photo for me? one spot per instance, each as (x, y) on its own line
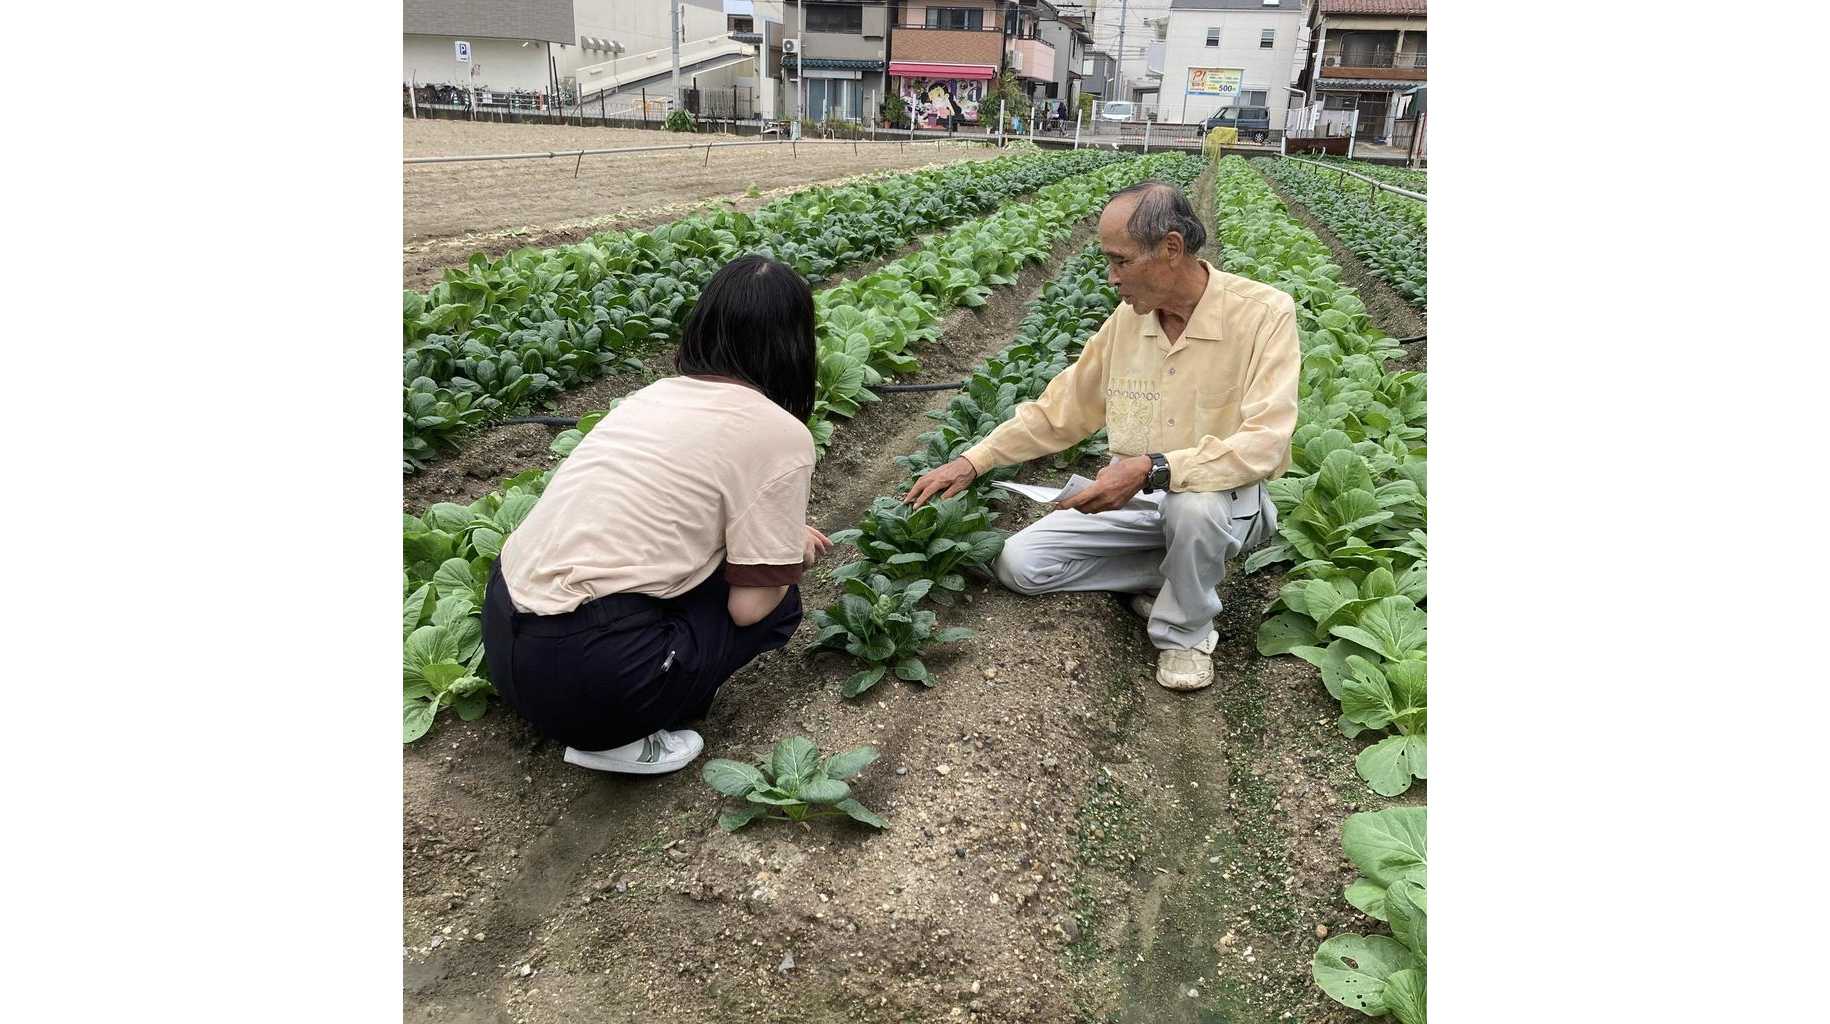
(685, 475)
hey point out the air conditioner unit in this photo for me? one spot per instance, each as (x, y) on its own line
(790, 46)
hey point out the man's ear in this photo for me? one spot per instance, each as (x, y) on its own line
(1172, 245)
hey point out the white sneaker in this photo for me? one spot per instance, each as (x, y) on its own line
(657, 753)
(1184, 669)
(1142, 605)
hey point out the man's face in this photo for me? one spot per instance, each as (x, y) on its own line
(1135, 271)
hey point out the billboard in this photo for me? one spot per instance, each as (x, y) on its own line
(1215, 81)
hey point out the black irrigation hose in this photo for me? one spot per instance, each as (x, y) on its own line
(889, 389)
(545, 421)
(898, 388)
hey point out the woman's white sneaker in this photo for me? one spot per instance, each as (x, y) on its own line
(657, 753)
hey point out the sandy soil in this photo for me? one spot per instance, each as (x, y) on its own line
(1068, 841)
(452, 210)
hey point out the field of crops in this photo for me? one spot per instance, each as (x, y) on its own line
(1388, 233)
(941, 801)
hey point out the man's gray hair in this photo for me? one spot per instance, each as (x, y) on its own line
(1162, 208)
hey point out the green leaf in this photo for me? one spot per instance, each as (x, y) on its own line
(417, 719)
(907, 558)
(912, 670)
(1389, 765)
(453, 608)
(453, 577)
(1404, 996)
(1408, 903)
(487, 542)
(1368, 896)
(1388, 845)
(863, 681)
(1393, 626)
(824, 791)
(417, 609)
(1284, 632)
(851, 762)
(469, 706)
(858, 812)
(954, 634)
(731, 821)
(732, 778)
(793, 762)
(1352, 969)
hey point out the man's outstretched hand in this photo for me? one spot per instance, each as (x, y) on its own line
(943, 482)
(1115, 485)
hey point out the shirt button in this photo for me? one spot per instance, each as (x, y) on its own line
(1172, 371)
(1172, 423)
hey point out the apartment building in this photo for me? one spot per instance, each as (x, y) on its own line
(1366, 57)
(1228, 53)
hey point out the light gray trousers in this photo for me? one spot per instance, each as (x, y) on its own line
(1177, 555)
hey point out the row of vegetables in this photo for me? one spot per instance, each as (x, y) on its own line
(1352, 519)
(865, 327)
(501, 337)
(1414, 179)
(1389, 233)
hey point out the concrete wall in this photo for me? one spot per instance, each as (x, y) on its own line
(1266, 70)
(501, 63)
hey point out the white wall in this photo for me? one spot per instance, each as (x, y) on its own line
(500, 63)
(640, 25)
(1267, 71)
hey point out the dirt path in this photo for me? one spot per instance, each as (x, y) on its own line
(452, 210)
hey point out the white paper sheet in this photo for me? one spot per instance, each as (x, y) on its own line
(1140, 502)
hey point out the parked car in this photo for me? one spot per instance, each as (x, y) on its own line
(1118, 110)
(1253, 123)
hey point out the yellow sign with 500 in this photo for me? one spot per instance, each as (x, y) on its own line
(1215, 81)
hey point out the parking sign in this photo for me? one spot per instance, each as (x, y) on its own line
(463, 51)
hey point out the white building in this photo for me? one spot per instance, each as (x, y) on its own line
(507, 46)
(625, 48)
(1240, 53)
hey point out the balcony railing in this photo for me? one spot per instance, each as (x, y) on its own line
(1375, 59)
(992, 24)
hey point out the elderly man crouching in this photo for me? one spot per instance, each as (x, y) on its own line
(1194, 378)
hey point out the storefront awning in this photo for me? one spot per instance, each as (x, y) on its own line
(913, 69)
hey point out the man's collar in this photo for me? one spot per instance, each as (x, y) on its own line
(1203, 321)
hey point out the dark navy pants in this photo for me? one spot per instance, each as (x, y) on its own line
(618, 668)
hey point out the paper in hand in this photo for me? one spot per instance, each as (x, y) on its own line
(1139, 502)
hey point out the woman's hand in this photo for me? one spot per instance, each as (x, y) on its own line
(815, 545)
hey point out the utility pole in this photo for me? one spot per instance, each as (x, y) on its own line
(675, 6)
(1119, 86)
(800, 69)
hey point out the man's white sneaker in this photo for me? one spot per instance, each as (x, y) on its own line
(657, 753)
(1142, 605)
(1181, 669)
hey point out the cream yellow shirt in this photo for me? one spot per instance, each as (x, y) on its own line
(1219, 402)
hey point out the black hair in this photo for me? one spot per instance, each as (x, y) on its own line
(754, 322)
(1162, 208)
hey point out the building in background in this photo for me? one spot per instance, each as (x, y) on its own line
(1128, 77)
(1229, 54)
(944, 55)
(624, 54)
(510, 46)
(1072, 39)
(1364, 61)
(843, 54)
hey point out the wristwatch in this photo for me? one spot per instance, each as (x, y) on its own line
(1158, 480)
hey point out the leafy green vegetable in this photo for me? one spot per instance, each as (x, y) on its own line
(1376, 974)
(878, 621)
(935, 542)
(794, 784)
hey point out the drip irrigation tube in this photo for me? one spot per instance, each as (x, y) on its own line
(899, 388)
(545, 421)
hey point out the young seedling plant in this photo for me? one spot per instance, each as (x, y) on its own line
(796, 784)
(877, 620)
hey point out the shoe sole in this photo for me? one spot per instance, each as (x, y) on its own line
(631, 767)
(1185, 689)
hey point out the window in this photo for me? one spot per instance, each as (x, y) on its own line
(833, 18)
(1213, 37)
(1270, 3)
(1252, 99)
(1340, 101)
(956, 17)
(833, 98)
(1267, 39)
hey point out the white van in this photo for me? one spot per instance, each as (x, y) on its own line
(1118, 110)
